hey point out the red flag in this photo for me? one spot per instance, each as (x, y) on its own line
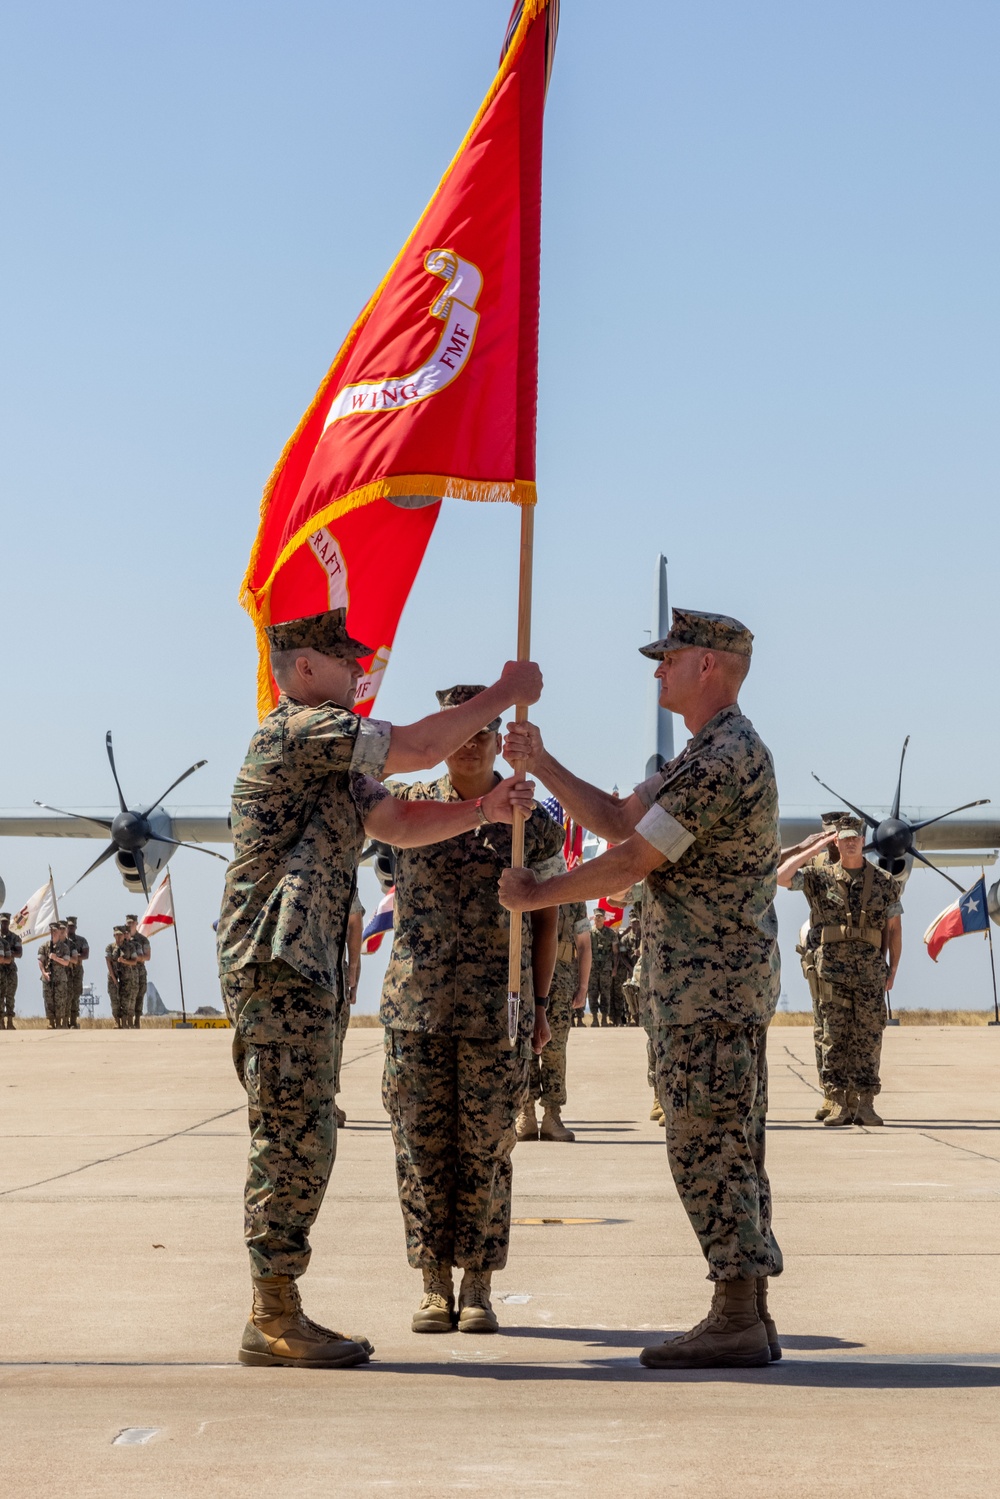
(612, 914)
(434, 390)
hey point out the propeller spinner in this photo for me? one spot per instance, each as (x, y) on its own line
(892, 839)
(130, 829)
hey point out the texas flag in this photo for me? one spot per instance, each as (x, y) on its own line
(967, 914)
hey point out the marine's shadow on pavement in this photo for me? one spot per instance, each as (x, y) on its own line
(837, 1374)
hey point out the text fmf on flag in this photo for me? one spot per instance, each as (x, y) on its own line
(433, 393)
(967, 914)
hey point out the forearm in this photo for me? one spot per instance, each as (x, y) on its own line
(585, 958)
(622, 865)
(544, 931)
(893, 946)
(592, 808)
(790, 866)
(412, 824)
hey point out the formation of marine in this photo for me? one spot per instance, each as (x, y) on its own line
(61, 958)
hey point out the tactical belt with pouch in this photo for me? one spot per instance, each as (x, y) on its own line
(870, 934)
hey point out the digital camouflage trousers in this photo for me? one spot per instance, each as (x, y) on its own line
(284, 1051)
(712, 1085)
(453, 1102)
(8, 989)
(853, 1022)
(547, 1072)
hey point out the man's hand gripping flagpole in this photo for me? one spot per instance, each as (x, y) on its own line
(520, 766)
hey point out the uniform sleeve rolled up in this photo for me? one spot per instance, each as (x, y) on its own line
(665, 833)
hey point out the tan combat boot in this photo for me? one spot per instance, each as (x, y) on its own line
(826, 1107)
(279, 1332)
(865, 1113)
(436, 1312)
(732, 1336)
(552, 1127)
(843, 1108)
(526, 1126)
(475, 1311)
(656, 1112)
(340, 1116)
(773, 1346)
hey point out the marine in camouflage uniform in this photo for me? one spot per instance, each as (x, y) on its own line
(140, 953)
(854, 913)
(10, 951)
(113, 954)
(629, 942)
(703, 833)
(55, 959)
(352, 967)
(453, 1083)
(822, 852)
(81, 952)
(603, 966)
(299, 808)
(547, 1071)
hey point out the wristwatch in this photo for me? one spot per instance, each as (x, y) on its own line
(483, 819)
(541, 1002)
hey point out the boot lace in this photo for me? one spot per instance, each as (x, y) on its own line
(476, 1292)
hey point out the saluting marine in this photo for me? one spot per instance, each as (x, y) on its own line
(567, 997)
(856, 935)
(10, 952)
(703, 834)
(453, 1082)
(303, 801)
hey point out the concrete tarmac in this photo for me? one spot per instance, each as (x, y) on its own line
(126, 1291)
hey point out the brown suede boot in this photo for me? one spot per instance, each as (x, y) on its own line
(865, 1112)
(826, 1107)
(732, 1336)
(843, 1109)
(340, 1116)
(526, 1126)
(773, 1346)
(552, 1127)
(436, 1312)
(280, 1333)
(475, 1310)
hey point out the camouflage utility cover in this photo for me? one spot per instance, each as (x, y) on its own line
(299, 805)
(709, 930)
(448, 969)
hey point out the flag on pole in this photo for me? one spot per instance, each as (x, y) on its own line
(159, 914)
(612, 914)
(380, 923)
(434, 390)
(32, 921)
(967, 914)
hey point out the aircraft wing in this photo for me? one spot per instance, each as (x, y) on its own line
(188, 824)
(966, 830)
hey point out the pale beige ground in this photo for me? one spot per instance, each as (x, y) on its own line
(125, 1293)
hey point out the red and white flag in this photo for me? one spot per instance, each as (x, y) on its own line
(159, 914)
(433, 392)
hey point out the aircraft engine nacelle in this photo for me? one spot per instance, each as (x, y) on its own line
(155, 855)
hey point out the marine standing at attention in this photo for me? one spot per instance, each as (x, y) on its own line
(856, 934)
(114, 953)
(81, 952)
(567, 997)
(352, 977)
(303, 800)
(703, 833)
(603, 970)
(453, 1082)
(10, 952)
(140, 953)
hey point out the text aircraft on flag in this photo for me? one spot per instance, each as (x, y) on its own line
(967, 914)
(433, 392)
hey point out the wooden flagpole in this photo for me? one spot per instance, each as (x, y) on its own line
(519, 767)
(177, 947)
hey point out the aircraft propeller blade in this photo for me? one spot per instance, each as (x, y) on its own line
(140, 865)
(156, 838)
(917, 855)
(869, 820)
(189, 772)
(111, 849)
(111, 758)
(982, 802)
(98, 822)
(899, 780)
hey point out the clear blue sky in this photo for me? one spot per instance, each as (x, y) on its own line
(769, 348)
